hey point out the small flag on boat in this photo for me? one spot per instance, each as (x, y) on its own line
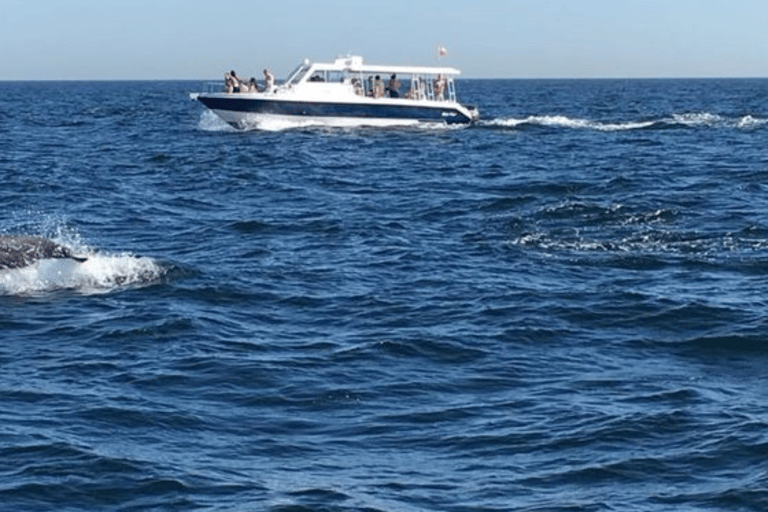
(442, 51)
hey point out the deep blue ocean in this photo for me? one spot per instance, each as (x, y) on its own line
(562, 308)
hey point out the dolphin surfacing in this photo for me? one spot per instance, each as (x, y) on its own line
(22, 250)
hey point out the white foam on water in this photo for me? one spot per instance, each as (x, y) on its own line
(101, 273)
(210, 122)
(693, 120)
(748, 122)
(568, 122)
(698, 119)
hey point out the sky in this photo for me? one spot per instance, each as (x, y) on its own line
(200, 39)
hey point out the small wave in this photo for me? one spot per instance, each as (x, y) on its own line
(648, 242)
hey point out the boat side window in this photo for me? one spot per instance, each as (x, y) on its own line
(327, 76)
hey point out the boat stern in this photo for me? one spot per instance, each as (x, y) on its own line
(474, 113)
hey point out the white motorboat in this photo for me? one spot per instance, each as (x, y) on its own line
(347, 92)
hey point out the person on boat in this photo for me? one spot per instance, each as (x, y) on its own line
(269, 81)
(439, 87)
(378, 87)
(358, 87)
(237, 82)
(229, 83)
(252, 85)
(393, 86)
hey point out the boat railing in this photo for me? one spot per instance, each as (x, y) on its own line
(423, 85)
(211, 87)
(430, 89)
(451, 90)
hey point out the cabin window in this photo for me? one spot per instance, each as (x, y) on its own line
(318, 76)
(324, 75)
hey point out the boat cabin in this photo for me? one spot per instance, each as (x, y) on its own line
(349, 75)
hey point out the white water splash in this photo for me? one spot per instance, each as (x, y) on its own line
(99, 274)
(210, 122)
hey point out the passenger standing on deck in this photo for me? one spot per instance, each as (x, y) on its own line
(269, 81)
(439, 87)
(392, 86)
(378, 87)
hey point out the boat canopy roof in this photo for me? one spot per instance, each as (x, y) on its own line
(355, 64)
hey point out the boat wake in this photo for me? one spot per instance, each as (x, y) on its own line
(212, 123)
(687, 120)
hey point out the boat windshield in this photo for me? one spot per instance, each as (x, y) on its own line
(298, 73)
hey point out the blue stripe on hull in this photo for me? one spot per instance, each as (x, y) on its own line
(312, 109)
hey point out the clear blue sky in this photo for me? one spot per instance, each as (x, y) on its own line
(200, 39)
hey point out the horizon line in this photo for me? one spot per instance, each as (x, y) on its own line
(681, 77)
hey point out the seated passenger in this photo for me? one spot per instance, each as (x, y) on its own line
(252, 85)
(358, 87)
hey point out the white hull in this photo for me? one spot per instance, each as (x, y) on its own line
(250, 121)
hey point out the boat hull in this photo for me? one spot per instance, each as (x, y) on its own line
(242, 112)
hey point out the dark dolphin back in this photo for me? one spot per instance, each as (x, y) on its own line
(20, 251)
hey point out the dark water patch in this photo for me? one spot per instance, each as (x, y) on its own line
(755, 343)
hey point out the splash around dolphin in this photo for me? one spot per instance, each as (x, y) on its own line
(18, 251)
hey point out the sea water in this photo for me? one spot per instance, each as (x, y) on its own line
(561, 308)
